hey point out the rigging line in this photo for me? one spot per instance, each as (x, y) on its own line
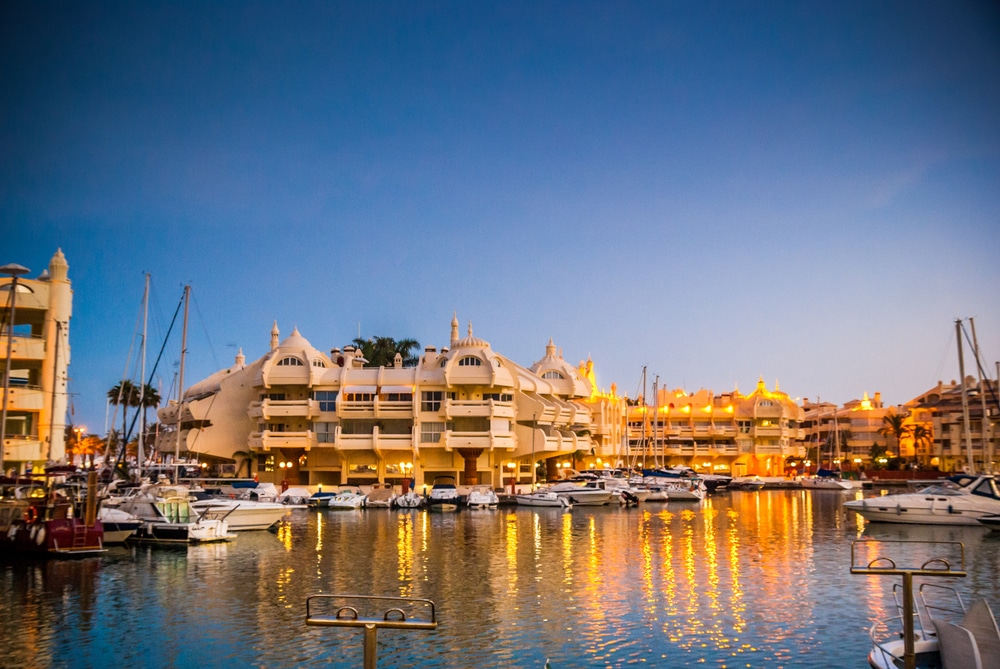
(982, 372)
(204, 328)
(128, 433)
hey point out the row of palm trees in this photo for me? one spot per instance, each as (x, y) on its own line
(894, 425)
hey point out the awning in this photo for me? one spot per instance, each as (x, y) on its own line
(358, 389)
(396, 389)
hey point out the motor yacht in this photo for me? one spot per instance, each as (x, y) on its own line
(482, 497)
(543, 498)
(241, 514)
(593, 493)
(957, 500)
(381, 495)
(347, 497)
(444, 495)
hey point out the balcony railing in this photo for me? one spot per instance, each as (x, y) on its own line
(25, 398)
(268, 440)
(478, 408)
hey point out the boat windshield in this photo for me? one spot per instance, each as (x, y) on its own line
(987, 488)
(940, 490)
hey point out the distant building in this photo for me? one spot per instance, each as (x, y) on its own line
(727, 433)
(939, 410)
(842, 437)
(308, 417)
(35, 431)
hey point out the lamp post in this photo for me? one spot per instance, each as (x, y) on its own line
(13, 271)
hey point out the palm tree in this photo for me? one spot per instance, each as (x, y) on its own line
(127, 394)
(921, 435)
(894, 425)
(381, 351)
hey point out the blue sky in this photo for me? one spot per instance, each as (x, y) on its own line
(807, 192)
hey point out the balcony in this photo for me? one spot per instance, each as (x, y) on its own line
(393, 409)
(355, 409)
(25, 398)
(485, 440)
(478, 408)
(268, 409)
(25, 347)
(22, 447)
(267, 440)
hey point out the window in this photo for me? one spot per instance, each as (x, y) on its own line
(397, 397)
(553, 375)
(498, 397)
(327, 400)
(318, 362)
(290, 362)
(431, 400)
(275, 427)
(470, 361)
(359, 397)
(324, 432)
(265, 464)
(430, 433)
(276, 397)
(744, 426)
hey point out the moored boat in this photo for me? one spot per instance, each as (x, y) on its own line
(381, 495)
(347, 498)
(443, 495)
(543, 498)
(958, 500)
(482, 497)
(240, 514)
(826, 479)
(580, 494)
(408, 500)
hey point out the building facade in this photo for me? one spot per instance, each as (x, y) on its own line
(305, 416)
(728, 433)
(951, 446)
(842, 437)
(36, 371)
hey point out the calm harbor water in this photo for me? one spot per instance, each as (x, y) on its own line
(744, 579)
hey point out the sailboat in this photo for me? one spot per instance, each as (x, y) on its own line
(828, 479)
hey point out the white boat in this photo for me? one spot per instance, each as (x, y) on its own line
(294, 497)
(621, 488)
(444, 495)
(240, 514)
(826, 480)
(172, 520)
(945, 633)
(482, 497)
(579, 494)
(347, 497)
(684, 490)
(991, 521)
(543, 498)
(958, 500)
(118, 525)
(747, 483)
(381, 495)
(408, 500)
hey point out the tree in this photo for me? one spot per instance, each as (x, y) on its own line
(381, 351)
(921, 435)
(894, 425)
(127, 394)
(877, 452)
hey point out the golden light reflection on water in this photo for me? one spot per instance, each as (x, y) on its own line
(285, 535)
(404, 551)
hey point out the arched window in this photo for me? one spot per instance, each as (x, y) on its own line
(553, 375)
(318, 362)
(470, 361)
(290, 362)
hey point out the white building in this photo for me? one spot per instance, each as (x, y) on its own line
(306, 416)
(36, 400)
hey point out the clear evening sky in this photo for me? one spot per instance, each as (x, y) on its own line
(807, 192)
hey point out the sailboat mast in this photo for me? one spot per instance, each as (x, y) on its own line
(180, 374)
(965, 397)
(142, 381)
(984, 423)
(656, 419)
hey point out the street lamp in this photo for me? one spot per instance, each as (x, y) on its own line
(13, 271)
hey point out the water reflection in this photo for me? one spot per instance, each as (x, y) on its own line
(748, 579)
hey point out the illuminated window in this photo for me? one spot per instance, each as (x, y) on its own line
(431, 400)
(265, 464)
(430, 433)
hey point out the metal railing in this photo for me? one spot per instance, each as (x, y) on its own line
(345, 611)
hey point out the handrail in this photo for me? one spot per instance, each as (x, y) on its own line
(393, 617)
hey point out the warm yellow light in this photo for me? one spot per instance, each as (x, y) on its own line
(729, 409)
(687, 408)
(857, 461)
(708, 408)
(566, 464)
(807, 463)
(706, 464)
(511, 465)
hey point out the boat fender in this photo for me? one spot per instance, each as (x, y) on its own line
(31, 515)
(40, 539)
(12, 532)
(33, 532)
